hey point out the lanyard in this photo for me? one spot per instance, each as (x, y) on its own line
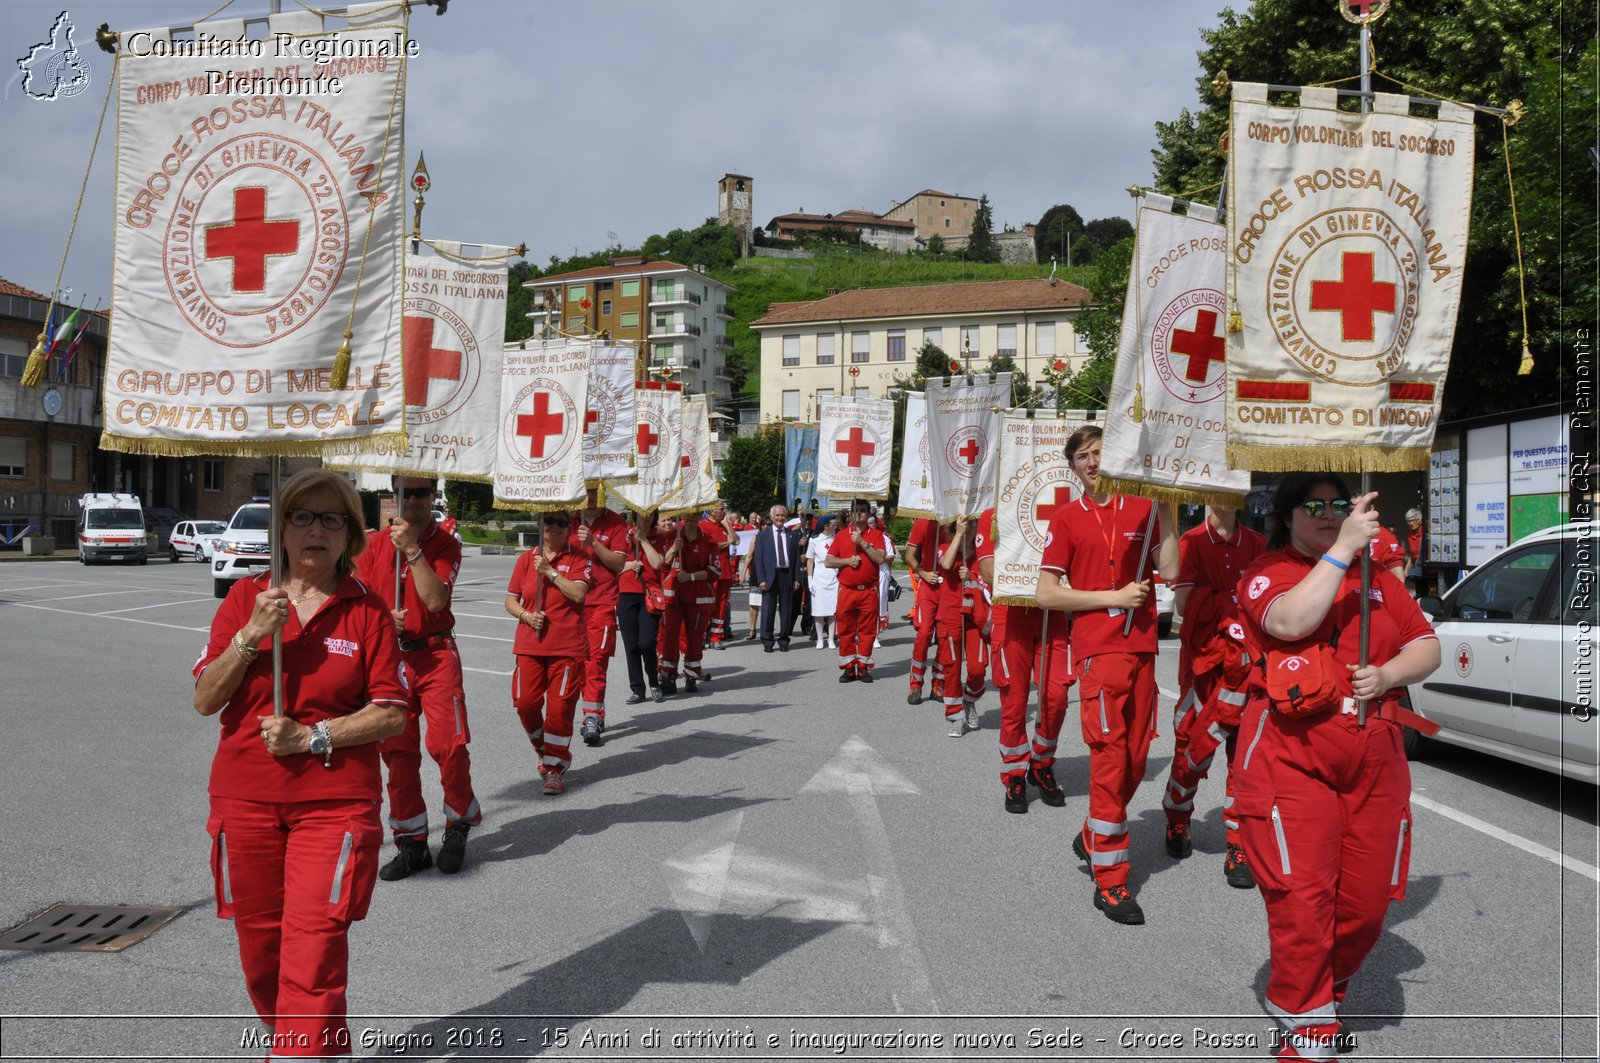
(1109, 534)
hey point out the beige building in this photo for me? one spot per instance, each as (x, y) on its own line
(858, 342)
(936, 213)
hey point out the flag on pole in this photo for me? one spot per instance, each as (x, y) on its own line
(539, 457)
(657, 446)
(77, 339)
(916, 488)
(65, 329)
(255, 231)
(855, 443)
(1347, 241)
(610, 423)
(800, 464)
(1035, 479)
(963, 426)
(697, 488)
(1166, 439)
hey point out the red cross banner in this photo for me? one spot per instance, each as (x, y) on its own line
(697, 487)
(452, 339)
(657, 446)
(1166, 440)
(916, 486)
(1347, 237)
(854, 445)
(258, 222)
(963, 426)
(1034, 479)
(544, 390)
(610, 424)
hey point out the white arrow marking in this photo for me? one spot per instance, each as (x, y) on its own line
(702, 874)
(855, 766)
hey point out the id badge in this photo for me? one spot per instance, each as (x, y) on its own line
(1114, 612)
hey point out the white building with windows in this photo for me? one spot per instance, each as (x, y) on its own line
(857, 342)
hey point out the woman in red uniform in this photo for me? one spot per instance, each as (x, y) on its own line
(690, 586)
(639, 605)
(1323, 801)
(963, 612)
(546, 595)
(295, 798)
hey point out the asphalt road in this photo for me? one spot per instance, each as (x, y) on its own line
(777, 867)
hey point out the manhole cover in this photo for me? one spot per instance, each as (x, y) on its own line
(87, 928)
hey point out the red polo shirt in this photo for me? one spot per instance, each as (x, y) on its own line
(1386, 552)
(710, 529)
(565, 634)
(610, 531)
(375, 567)
(634, 582)
(1098, 548)
(843, 546)
(925, 537)
(343, 659)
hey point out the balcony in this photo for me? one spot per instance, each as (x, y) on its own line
(723, 311)
(672, 330)
(724, 343)
(674, 296)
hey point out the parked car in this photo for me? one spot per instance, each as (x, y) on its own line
(195, 539)
(1517, 637)
(242, 550)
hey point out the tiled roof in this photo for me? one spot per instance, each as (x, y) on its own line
(847, 217)
(602, 272)
(933, 192)
(930, 300)
(8, 288)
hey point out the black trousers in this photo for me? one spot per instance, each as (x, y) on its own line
(637, 626)
(777, 602)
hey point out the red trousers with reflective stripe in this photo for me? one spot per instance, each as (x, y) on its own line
(957, 641)
(1324, 811)
(545, 691)
(683, 630)
(719, 611)
(437, 697)
(602, 624)
(1197, 733)
(925, 611)
(1117, 706)
(293, 877)
(856, 621)
(1016, 649)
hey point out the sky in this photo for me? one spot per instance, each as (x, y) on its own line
(560, 124)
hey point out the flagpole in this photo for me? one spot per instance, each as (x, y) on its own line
(274, 547)
(1144, 555)
(1366, 476)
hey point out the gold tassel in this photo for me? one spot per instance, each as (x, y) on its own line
(1522, 370)
(340, 379)
(33, 372)
(1235, 321)
(600, 495)
(1138, 403)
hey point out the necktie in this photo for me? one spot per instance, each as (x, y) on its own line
(783, 555)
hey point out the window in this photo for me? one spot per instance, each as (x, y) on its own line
(628, 319)
(1044, 339)
(969, 342)
(791, 404)
(823, 395)
(934, 336)
(13, 456)
(1506, 589)
(662, 321)
(1006, 341)
(947, 223)
(897, 345)
(605, 308)
(862, 393)
(13, 356)
(62, 460)
(575, 293)
(825, 349)
(630, 289)
(665, 291)
(211, 470)
(791, 350)
(1080, 343)
(859, 346)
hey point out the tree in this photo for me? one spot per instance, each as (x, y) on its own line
(1104, 233)
(931, 362)
(1101, 321)
(519, 301)
(981, 246)
(935, 245)
(1020, 389)
(752, 473)
(1058, 231)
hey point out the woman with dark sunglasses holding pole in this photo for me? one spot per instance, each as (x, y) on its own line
(1322, 798)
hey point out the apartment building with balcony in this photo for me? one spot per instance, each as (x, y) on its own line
(677, 316)
(858, 342)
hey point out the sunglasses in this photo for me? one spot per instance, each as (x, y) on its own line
(555, 522)
(417, 492)
(303, 518)
(1316, 507)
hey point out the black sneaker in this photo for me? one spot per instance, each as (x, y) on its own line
(1079, 849)
(690, 684)
(1119, 905)
(914, 698)
(453, 850)
(656, 695)
(592, 733)
(668, 685)
(412, 856)
(1016, 795)
(1180, 841)
(1050, 791)
(864, 675)
(847, 675)
(1236, 869)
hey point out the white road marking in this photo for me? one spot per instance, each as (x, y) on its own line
(485, 671)
(486, 638)
(119, 619)
(97, 594)
(1542, 852)
(159, 605)
(1164, 692)
(482, 616)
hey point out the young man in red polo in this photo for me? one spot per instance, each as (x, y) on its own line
(857, 553)
(603, 535)
(1095, 567)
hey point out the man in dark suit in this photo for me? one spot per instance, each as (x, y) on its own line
(775, 565)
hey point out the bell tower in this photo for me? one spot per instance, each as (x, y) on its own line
(734, 199)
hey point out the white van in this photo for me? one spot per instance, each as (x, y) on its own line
(111, 528)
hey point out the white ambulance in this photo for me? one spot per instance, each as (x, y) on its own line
(111, 528)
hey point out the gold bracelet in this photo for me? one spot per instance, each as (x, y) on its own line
(247, 654)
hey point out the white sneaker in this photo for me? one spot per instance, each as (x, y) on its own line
(832, 644)
(820, 642)
(958, 727)
(877, 644)
(972, 716)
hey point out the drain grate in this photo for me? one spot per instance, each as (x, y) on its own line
(87, 928)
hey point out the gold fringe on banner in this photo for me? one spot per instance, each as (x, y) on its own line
(537, 507)
(926, 514)
(1163, 493)
(1326, 457)
(1014, 599)
(388, 442)
(681, 511)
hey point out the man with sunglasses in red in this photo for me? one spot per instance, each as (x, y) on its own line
(428, 561)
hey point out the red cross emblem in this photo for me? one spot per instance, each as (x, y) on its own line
(423, 361)
(541, 424)
(250, 239)
(1203, 345)
(1355, 296)
(1062, 496)
(855, 447)
(590, 419)
(970, 450)
(645, 439)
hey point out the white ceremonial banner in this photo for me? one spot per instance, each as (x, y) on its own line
(543, 393)
(1347, 240)
(255, 224)
(1166, 440)
(657, 446)
(453, 339)
(1035, 479)
(916, 487)
(697, 488)
(855, 442)
(963, 424)
(611, 423)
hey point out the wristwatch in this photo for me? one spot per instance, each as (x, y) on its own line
(322, 743)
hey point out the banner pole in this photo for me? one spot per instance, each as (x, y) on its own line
(1366, 477)
(275, 548)
(1144, 556)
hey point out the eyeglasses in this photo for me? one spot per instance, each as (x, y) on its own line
(417, 492)
(1315, 507)
(303, 518)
